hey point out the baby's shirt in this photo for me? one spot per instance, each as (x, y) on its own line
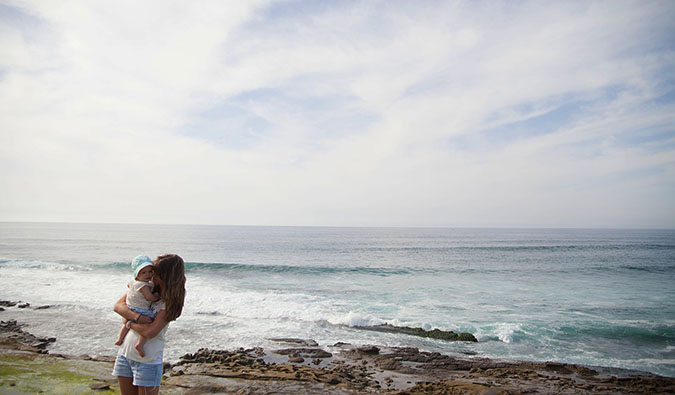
(134, 296)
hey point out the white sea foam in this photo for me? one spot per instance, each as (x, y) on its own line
(356, 319)
(505, 331)
(40, 264)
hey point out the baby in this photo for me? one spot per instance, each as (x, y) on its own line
(139, 297)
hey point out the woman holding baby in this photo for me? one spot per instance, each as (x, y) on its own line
(138, 374)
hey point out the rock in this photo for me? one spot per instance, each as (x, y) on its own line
(331, 379)
(45, 306)
(105, 358)
(557, 367)
(389, 364)
(14, 337)
(303, 342)
(177, 373)
(40, 345)
(370, 350)
(308, 352)
(321, 354)
(297, 359)
(99, 386)
(259, 351)
(7, 303)
(466, 337)
(23, 305)
(2, 309)
(434, 333)
(10, 326)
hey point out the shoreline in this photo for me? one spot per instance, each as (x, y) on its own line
(303, 366)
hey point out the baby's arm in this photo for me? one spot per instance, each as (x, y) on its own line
(148, 295)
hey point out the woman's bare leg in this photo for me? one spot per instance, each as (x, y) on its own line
(127, 387)
(148, 390)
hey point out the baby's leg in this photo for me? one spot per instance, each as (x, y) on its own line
(139, 345)
(123, 333)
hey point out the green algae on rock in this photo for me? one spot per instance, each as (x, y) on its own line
(434, 333)
(34, 373)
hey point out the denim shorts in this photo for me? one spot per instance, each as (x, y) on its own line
(147, 312)
(144, 374)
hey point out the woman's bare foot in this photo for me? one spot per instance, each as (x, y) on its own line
(139, 348)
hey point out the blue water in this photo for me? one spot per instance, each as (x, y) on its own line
(593, 297)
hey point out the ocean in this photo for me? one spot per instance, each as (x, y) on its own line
(586, 296)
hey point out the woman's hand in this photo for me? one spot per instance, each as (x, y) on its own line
(152, 329)
(122, 309)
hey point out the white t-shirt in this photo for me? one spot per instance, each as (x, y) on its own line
(154, 348)
(134, 296)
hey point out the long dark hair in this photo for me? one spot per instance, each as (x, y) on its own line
(171, 270)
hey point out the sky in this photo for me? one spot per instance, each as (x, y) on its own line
(339, 113)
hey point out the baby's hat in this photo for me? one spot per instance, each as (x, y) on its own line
(139, 263)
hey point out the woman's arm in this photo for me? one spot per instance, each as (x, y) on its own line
(150, 330)
(122, 309)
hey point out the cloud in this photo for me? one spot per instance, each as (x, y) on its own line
(347, 113)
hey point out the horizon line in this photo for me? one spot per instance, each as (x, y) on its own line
(338, 226)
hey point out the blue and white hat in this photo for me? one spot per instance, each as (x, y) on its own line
(139, 263)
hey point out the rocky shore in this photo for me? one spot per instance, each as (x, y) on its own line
(303, 366)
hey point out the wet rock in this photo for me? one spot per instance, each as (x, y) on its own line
(258, 351)
(23, 305)
(2, 309)
(45, 306)
(302, 342)
(434, 333)
(308, 352)
(12, 336)
(40, 345)
(368, 350)
(557, 368)
(466, 337)
(388, 364)
(296, 359)
(331, 379)
(7, 303)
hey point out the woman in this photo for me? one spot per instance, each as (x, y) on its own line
(143, 375)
